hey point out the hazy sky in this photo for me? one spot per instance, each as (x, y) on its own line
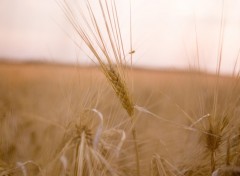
(163, 31)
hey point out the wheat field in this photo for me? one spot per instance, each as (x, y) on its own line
(41, 104)
(112, 118)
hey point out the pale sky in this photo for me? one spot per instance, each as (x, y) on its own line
(163, 32)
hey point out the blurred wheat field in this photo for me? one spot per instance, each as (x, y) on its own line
(40, 102)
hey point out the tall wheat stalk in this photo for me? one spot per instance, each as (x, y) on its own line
(102, 36)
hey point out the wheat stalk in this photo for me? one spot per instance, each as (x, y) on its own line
(97, 38)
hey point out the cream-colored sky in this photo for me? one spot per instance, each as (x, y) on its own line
(163, 31)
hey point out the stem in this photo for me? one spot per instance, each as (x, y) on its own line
(76, 160)
(212, 161)
(136, 150)
(131, 48)
(228, 152)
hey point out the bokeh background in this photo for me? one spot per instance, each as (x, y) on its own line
(164, 32)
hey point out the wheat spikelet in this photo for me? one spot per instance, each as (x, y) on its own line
(88, 152)
(90, 160)
(87, 133)
(87, 160)
(120, 89)
(212, 140)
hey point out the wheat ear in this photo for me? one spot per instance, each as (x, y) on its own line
(121, 91)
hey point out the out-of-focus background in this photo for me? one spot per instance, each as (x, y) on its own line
(163, 32)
